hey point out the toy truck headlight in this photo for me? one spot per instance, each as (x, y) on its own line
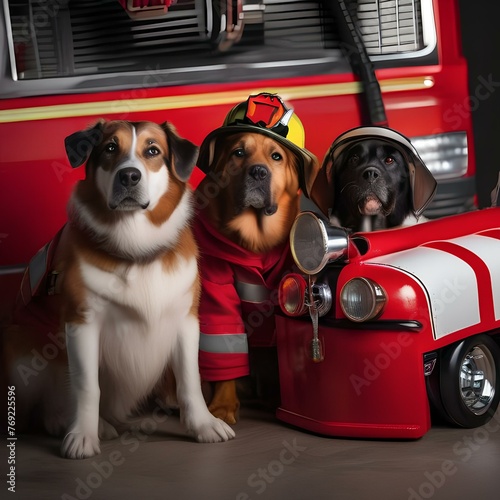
(291, 295)
(361, 299)
(295, 299)
(314, 244)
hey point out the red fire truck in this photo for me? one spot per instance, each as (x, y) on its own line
(401, 322)
(339, 64)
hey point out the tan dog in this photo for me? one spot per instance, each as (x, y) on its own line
(258, 177)
(247, 204)
(123, 284)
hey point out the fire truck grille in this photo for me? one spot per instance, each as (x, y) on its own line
(390, 26)
(91, 37)
(97, 37)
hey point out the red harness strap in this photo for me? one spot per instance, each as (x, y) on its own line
(36, 304)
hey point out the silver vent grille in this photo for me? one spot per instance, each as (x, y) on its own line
(82, 37)
(106, 38)
(34, 31)
(294, 24)
(91, 37)
(390, 26)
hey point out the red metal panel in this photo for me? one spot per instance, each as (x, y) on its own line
(370, 384)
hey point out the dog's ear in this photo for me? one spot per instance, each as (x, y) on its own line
(183, 153)
(310, 172)
(322, 191)
(80, 144)
(423, 187)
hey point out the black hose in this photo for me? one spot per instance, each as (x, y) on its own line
(357, 55)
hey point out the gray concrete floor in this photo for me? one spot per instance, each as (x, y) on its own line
(266, 460)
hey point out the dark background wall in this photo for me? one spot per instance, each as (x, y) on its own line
(481, 47)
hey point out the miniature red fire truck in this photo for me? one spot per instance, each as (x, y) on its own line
(408, 322)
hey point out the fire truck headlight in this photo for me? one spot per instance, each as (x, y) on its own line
(314, 243)
(445, 155)
(291, 295)
(361, 299)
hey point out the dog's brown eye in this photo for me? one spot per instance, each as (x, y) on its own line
(389, 160)
(111, 147)
(152, 151)
(240, 152)
(353, 159)
(276, 157)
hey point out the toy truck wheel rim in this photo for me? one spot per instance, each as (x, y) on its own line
(469, 381)
(477, 370)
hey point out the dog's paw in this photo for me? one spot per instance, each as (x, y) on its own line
(214, 430)
(225, 403)
(227, 413)
(80, 445)
(106, 430)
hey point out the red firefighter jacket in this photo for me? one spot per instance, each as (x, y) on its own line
(239, 293)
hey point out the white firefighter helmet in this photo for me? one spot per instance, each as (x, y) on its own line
(422, 182)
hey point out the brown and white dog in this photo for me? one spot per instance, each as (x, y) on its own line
(256, 165)
(128, 283)
(373, 178)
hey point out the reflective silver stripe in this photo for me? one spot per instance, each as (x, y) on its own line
(38, 267)
(14, 269)
(249, 292)
(224, 343)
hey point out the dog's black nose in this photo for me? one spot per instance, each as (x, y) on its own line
(370, 174)
(259, 172)
(129, 177)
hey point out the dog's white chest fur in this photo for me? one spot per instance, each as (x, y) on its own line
(147, 291)
(138, 310)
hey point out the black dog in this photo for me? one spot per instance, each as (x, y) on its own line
(372, 178)
(372, 186)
